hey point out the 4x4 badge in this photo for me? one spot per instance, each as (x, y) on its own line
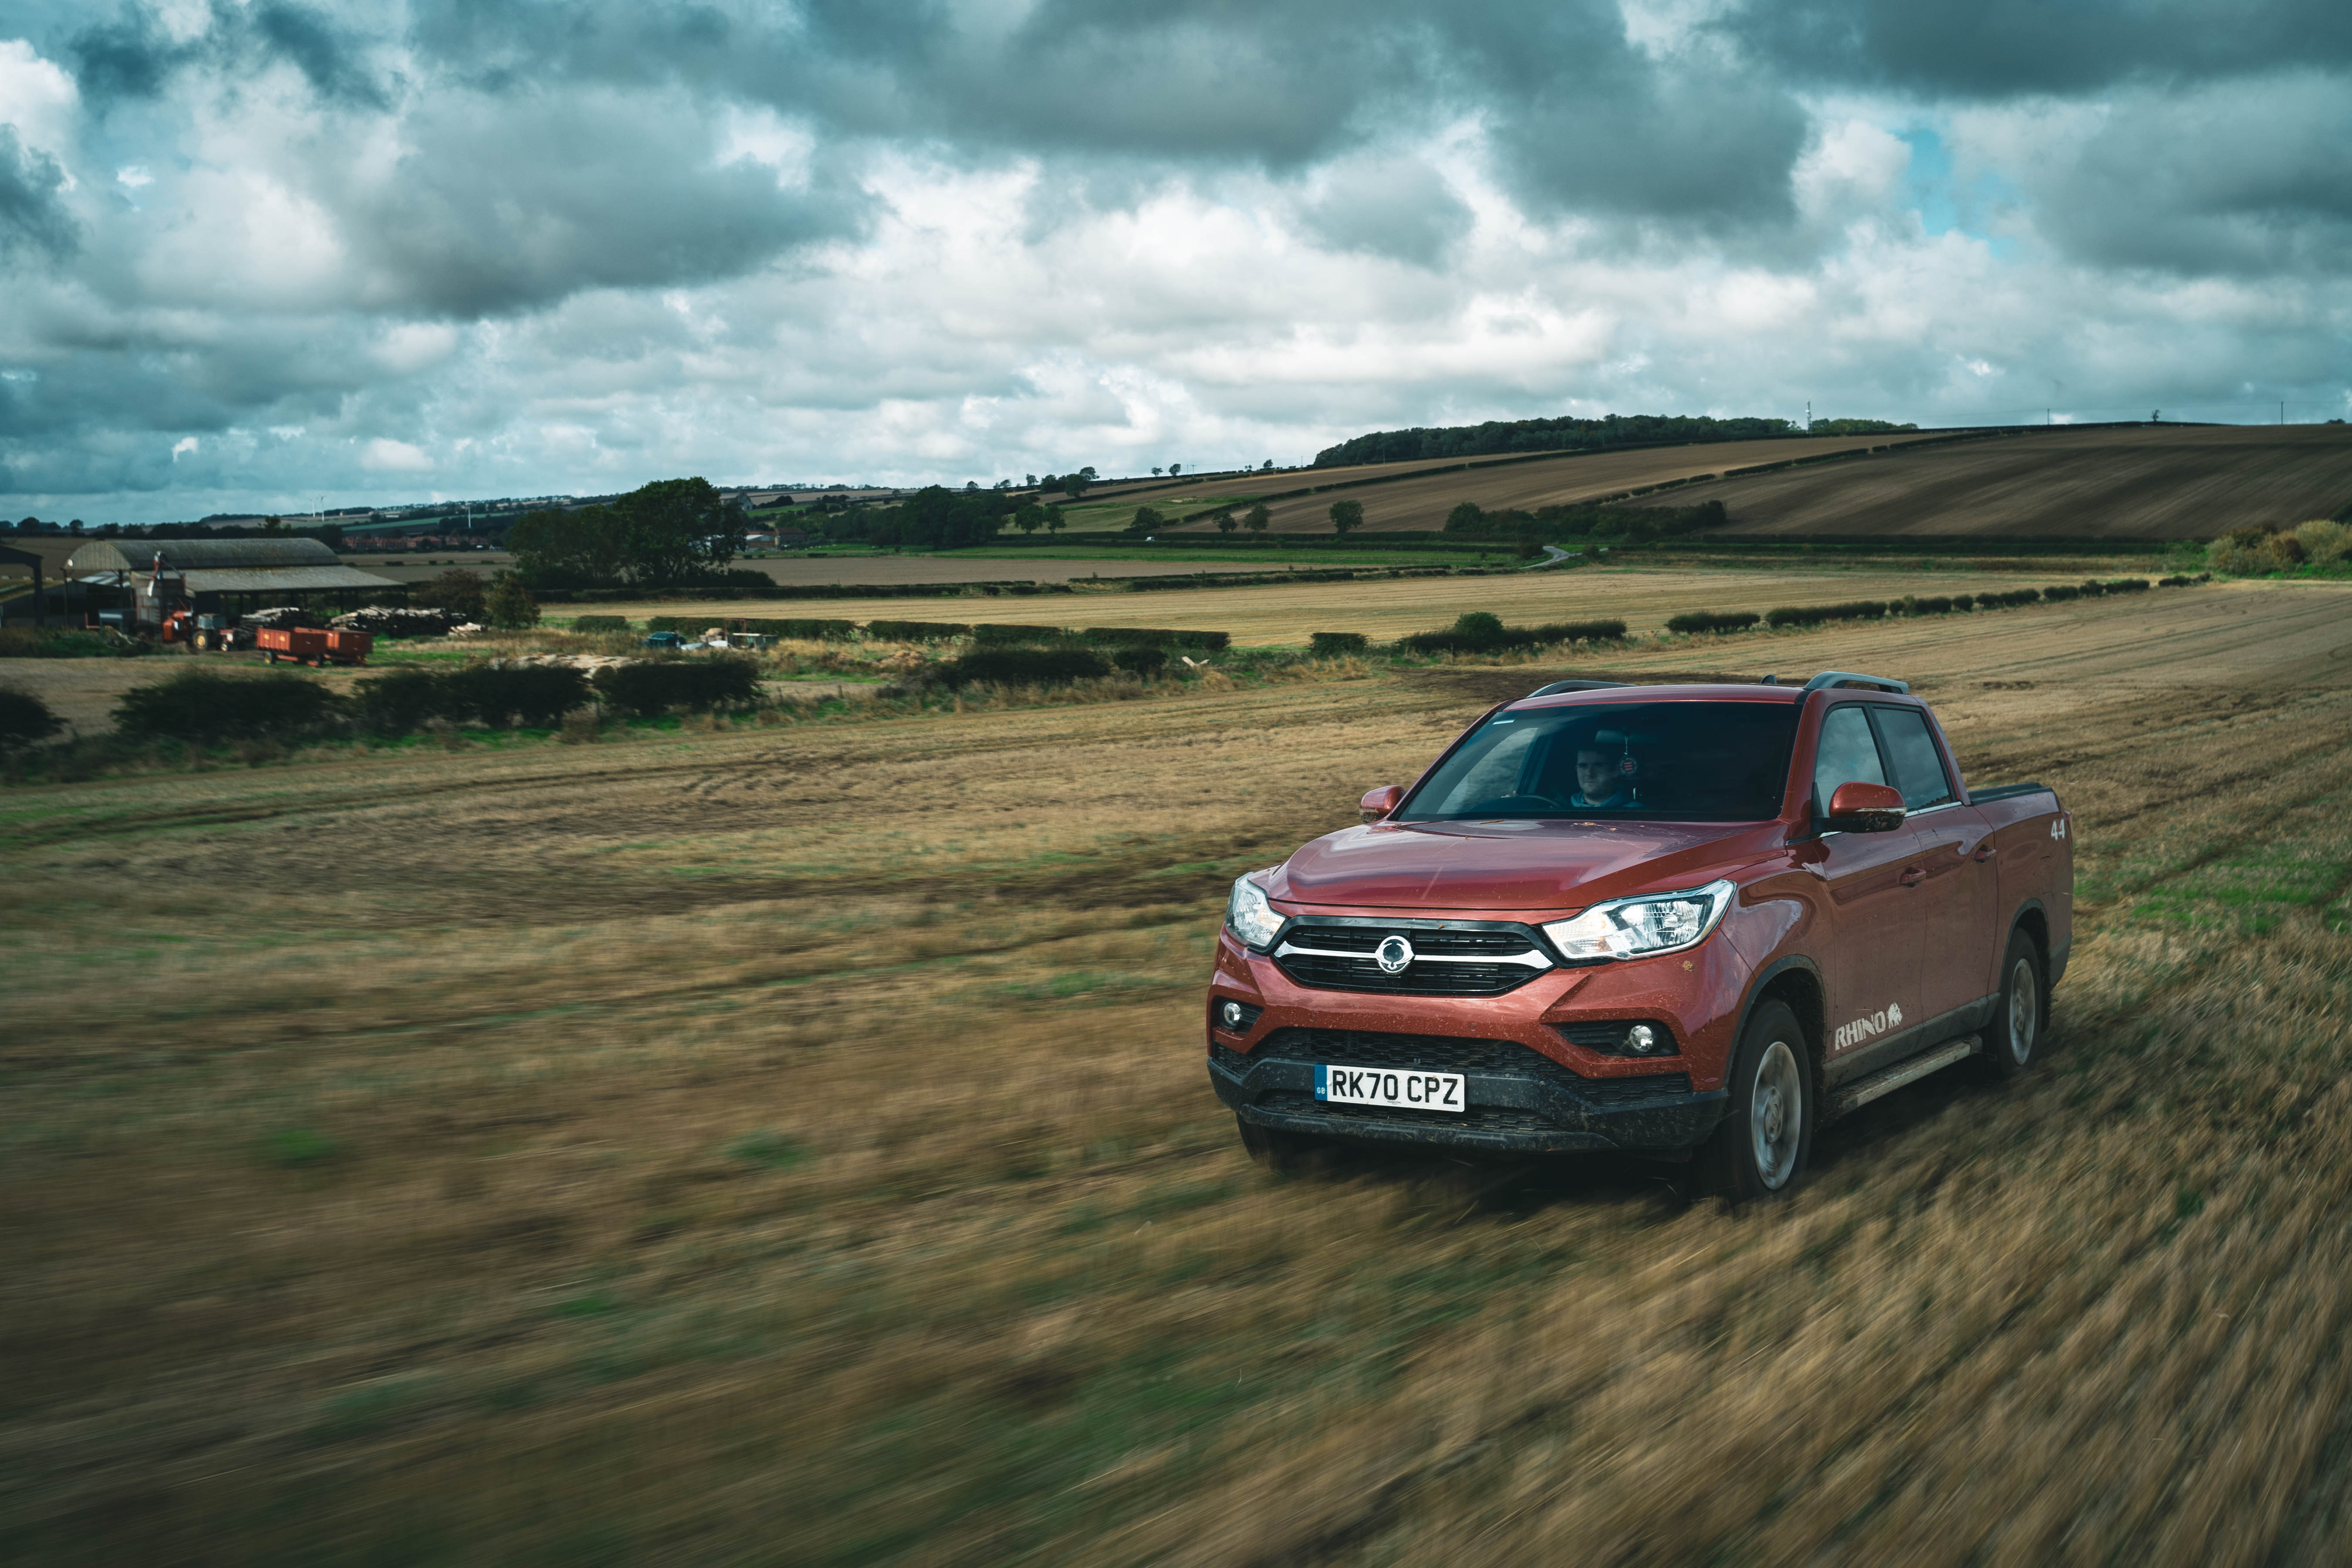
(1393, 955)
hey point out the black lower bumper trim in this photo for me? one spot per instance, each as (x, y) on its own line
(1508, 1113)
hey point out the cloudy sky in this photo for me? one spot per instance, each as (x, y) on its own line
(268, 254)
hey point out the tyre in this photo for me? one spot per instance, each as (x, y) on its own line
(1275, 1151)
(2017, 1019)
(1760, 1147)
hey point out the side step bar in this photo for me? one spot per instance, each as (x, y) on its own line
(1911, 1071)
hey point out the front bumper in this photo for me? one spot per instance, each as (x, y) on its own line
(1510, 1112)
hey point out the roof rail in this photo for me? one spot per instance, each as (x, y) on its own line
(1830, 679)
(1557, 686)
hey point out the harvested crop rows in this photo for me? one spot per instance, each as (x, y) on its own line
(1421, 503)
(1283, 614)
(794, 1144)
(2153, 482)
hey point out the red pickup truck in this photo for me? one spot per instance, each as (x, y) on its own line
(1679, 920)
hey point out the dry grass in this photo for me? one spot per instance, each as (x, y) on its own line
(793, 1143)
(2160, 482)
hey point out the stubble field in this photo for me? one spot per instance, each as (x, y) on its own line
(794, 1145)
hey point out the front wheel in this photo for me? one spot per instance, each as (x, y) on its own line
(1760, 1147)
(2017, 1019)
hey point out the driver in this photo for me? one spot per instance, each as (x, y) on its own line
(1605, 778)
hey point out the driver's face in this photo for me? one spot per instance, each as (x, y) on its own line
(1596, 776)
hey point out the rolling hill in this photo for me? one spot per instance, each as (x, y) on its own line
(2155, 481)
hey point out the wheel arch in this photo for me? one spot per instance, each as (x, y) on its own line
(1797, 981)
(2032, 917)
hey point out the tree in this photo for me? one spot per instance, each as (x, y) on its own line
(569, 548)
(457, 591)
(1257, 518)
(673, 529)
(1074, 485)
(1030, 518)
(1053, 521)
(509, 604)
(1175, 469)
(1146, 520)
(1347, 515)
(1224, 519)
(1267, 465)
(1155, 471)
(1031, 480)
(1466, 518)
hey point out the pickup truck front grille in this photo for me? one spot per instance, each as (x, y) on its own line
(1443, 962)
(1446, 1053)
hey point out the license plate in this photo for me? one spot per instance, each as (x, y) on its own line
(1396, 1088)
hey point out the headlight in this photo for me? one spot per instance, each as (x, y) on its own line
(1633, 928)
(1248, 916)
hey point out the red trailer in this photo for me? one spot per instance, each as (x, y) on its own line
(307, 645)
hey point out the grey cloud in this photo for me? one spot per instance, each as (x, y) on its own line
(33, 217)
(1998, 48)
(133, 56)
(1399, 208)
(2242, 178)
(505, 204)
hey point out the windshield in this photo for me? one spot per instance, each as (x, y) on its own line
(1674, 762)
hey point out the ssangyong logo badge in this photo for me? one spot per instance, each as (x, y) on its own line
(1392, 955)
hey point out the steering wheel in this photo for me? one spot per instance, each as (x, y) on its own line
(1516, 803)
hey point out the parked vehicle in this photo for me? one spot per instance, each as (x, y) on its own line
(310, 645)
(1692, 920)
(664, 639)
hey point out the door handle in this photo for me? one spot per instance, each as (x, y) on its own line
(1913, 875)
(1984, 851)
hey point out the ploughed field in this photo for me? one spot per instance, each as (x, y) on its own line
(2146, 482)
(794, 1144)
(1418, 495)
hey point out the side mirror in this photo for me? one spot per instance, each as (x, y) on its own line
(1859, 808)
(1377, 804)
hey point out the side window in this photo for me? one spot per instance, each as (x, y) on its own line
(1497, 774)
(1848, 754)
(1918, 768)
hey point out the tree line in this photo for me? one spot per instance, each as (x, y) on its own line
(663, 534)
(1569, 434)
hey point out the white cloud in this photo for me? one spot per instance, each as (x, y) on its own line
(385, 456)
(37, 97)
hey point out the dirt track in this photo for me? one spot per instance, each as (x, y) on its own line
(794, 1144)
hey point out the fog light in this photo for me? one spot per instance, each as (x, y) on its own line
(1230, 1015)
(1640, 1040)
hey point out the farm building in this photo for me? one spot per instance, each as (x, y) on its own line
(223, 576)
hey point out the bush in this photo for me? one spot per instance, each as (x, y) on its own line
(28, 642)
(2325, 541)
(1709, 621)
(655, 686)
(456, 590)
(509, 604)
(1814, 614)
(1142, 659)
(1328, 643)
(600, 624)
(534, 696)
(1157, 637)
(400, 702)
(1025, 667)
(25, 720)
(205, 705)
(1478, 632)
(2060, 594)
(2009, 599)
(1004, 634)
(1964, 602)
(2125, 585)
(916, 631)
(2183, 581)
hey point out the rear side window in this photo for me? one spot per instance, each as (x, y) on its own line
(1918, 767)
(1848, 754)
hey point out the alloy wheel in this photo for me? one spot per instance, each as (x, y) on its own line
(1776, 1110)
(2024, 1011)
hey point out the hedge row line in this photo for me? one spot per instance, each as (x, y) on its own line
(1478, 632)
(1936, 605)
